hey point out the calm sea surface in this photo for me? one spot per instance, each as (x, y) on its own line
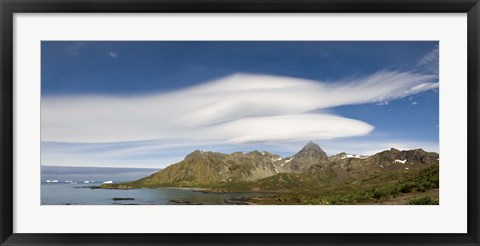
(63, 192)
(73, 194)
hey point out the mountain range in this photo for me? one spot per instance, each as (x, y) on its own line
(310, 167)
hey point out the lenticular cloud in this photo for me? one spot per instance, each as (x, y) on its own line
(241, 108)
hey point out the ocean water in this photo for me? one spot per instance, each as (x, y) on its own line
(67, 193)
(94, 173)
(62, 193)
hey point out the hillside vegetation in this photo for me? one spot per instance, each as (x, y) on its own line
(308, 177)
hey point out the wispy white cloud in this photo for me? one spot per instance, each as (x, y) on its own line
(430, 57)
(430, 61)
(113, 54)
(159, 154)
(130, 154)
(384, 103)
(75, 48)
(241, 108)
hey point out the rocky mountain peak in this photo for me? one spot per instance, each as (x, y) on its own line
(312, 149)
(194, 155)
(203, 168)
(394, 150)
(310, 155)
(312, 146)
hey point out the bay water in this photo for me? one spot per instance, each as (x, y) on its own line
(73, 186)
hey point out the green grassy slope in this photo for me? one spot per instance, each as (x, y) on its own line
(422, 187)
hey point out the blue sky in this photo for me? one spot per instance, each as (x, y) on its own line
(148, 104)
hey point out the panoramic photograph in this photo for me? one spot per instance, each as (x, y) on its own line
(239, 123)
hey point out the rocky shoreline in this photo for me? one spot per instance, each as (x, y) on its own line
(228, 201)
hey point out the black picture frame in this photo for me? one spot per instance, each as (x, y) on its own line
(10, 7)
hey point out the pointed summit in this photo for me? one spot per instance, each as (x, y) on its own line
(311, 146)
(312, 149)
(310, 155)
